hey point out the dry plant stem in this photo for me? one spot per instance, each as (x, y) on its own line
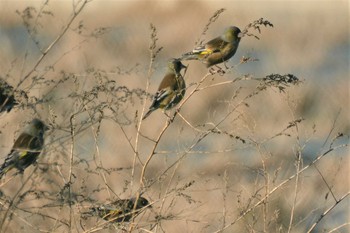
(332, 128)
(145, 230)
(133, 224)
(224, 197)
(197, 88)
(31, 34)
(101, 226)
(191, 93)
(189, 124)
(167, 123)
(152, 48)
(327, 211)
(94, 229)
(167, 192)
(266, 203)
(127, 138)
(30, 224)
(256, 26)
(244, 77)
(48, 49)
(184, 154)
(166, 126)
(266, 186)
(8, 180)
(71, 160)
(98, 154)
(68, 51)
(36, 23)
(132, 147)
(100, 164)
(206, 133)
(12, 202)
(324, 180)
(26, 222)
(57, 220)
(298, 165)
(212, 19)
(338, 227)
(282, 184)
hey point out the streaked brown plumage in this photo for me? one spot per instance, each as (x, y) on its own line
(7, 99)
(26, 148)
(217, 50)
(171, 90)
(119, 211)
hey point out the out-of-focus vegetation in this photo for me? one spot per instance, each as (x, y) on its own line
(248, 151)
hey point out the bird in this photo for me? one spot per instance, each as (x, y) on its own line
(217, 50)
(26, 148)
(7, 99)
(171, 90)
(121, 210)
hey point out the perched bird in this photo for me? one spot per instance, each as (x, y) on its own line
(7, 99)
(217, 50)
(26, 148)
(171, 90)
(119, 211)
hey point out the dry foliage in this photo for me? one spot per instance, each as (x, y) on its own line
(204, 170)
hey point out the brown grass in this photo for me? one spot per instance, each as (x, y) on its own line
(248, 150)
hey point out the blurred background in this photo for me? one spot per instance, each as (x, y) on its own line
(98, 72)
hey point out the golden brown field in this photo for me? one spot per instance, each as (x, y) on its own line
(240, 156)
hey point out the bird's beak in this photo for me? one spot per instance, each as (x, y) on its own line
(240, 35)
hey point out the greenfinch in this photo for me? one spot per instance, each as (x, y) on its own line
(26, 148)
(171, 90)
(119, 211)
(217, 50)
(7, 99)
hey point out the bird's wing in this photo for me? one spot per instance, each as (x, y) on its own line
(160, 96)
(169, 81)
(117, 210)
(26, 142)
(215, 45)
(212, 46)
(110, 212)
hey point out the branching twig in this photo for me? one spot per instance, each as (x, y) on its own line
(256, 26)
(212, 19)
(49, 48)
(280, 185)
(327, 212)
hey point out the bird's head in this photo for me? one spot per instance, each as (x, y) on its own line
(232, 34)
(142, 202)
(176, 65)
(36, 128)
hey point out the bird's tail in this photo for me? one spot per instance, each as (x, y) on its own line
(3, 170)
(189, 56)
(6, 166)
(148, 113)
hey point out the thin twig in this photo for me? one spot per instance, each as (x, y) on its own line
(280, 185)
(71, 161)
(12, 202)
(327, 211)
(49, 48)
